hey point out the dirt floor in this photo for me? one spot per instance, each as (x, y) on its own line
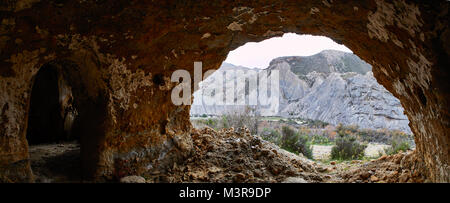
(234, 155)
(56, 162)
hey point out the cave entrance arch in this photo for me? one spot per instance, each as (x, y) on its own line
(305, 62)
(54, 147)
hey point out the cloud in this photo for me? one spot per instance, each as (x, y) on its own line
(259, 55)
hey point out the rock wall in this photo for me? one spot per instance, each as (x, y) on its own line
(122, 54)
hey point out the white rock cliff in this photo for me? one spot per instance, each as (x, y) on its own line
(332, 86)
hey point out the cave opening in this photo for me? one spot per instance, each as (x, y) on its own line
(54, 149)
(45, 119)
(326, 92)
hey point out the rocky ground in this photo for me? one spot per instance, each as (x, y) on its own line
(55, 162)
(234, 155)
(231, 155)
(398, 168)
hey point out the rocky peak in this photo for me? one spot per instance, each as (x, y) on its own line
(327, 61)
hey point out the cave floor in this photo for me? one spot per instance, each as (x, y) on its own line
(233, 156)
(56, 162)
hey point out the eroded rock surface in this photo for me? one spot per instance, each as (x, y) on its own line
(234, 155)
(119, 55)
(399, 168)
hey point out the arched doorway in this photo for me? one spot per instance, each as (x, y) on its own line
(54, 150)
(45, 120)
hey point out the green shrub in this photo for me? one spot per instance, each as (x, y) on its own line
(303, 146)
(247, 117)
(347, 148)
(293, 142)
(369, 135)
(399, 142)
(224, 121)
(271, 135)
(210, 122)
(316, 123)
(288, 139)
(320, 140)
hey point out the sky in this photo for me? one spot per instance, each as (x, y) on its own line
(259, 55)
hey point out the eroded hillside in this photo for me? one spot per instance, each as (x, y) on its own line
(332, 86)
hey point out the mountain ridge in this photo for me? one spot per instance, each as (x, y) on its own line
(326, 61)
(321, 87)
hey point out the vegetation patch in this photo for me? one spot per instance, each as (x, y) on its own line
(399, 143)
(347, 147)
(294, 142)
